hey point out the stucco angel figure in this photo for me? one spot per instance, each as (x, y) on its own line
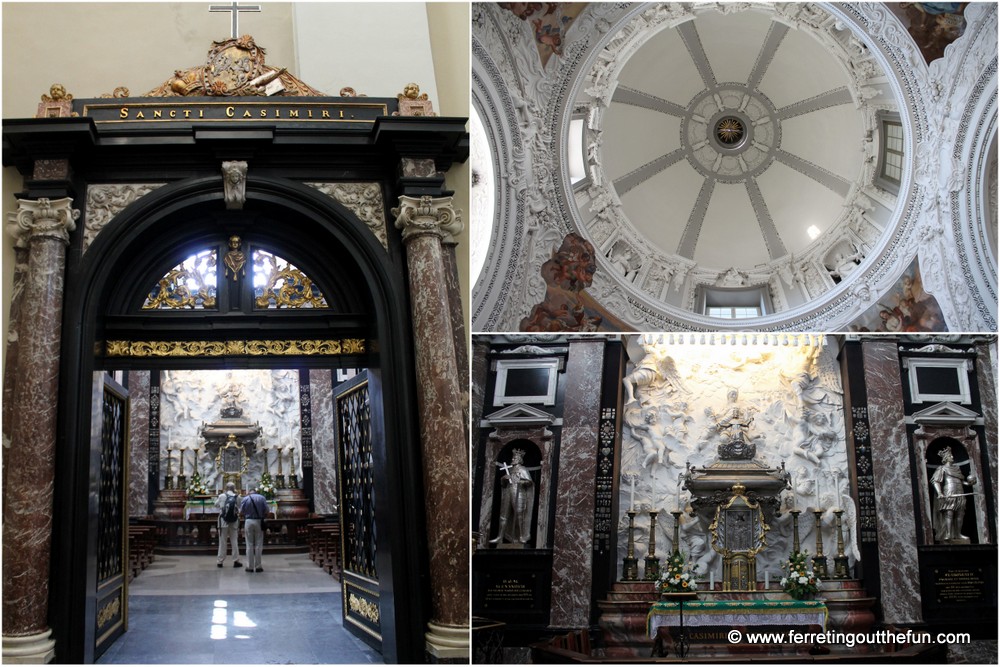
(517, 501)
(949, 503)
(654, 367)
(648, 431)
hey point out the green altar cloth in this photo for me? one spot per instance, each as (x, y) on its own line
(738, 613)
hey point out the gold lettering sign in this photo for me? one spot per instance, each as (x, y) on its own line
(298, 111)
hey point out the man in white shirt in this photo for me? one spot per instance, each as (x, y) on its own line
(229, 529)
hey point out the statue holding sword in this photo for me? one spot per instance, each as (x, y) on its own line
(949, 503)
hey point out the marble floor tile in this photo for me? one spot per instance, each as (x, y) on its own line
(185, 610)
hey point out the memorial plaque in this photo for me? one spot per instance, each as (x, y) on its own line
(959, 585)
(510, 591)
(513, 586)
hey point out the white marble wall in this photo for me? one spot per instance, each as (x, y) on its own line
(794, 387)
(324, 443)
(190, 398)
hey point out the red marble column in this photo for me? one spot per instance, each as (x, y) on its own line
(10, 360)
(427, 222)
(27, 511)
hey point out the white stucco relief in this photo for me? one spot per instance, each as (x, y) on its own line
(680, 383)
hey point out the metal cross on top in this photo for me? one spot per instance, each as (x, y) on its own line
(235, 9)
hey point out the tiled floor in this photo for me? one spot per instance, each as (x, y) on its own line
(185, 610)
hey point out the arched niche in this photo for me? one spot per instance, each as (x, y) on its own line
(531, 460)
(538, 447)
(929, 440)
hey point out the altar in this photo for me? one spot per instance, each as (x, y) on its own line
(739, 614)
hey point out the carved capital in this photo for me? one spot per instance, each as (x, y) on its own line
(428, 215)
(42, 218)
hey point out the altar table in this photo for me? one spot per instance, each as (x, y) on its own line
(738, 613)
(198, 507)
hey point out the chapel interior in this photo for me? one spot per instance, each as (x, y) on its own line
(639, 497)
(234, 253)
(734, 166)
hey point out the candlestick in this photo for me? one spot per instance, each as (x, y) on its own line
(840, 560)
(795, 529)
(819, 560)
(767, 579)
(677, 531)
(711, 580)
(652, 562)
(630, 566)
(182, 462)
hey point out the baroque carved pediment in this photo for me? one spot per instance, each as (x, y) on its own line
(234, 68)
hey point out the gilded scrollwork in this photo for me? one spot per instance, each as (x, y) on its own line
(364, 200)
(254, 348)
(109, 612)
(189, 285)
(364, 608)
(234, 67)
(282, 285)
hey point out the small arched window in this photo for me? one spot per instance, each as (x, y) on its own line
(274, 282)
(192, 284)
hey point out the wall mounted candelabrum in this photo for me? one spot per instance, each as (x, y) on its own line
(819, 560)
(840, 570)
(630, 566)
(652, 572)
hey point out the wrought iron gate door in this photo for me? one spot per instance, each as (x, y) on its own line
(110, 435)
(358, 532)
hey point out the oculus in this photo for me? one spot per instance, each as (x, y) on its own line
(730, 131)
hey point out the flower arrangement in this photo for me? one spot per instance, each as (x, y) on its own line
(677, 576)
(800, 582)
(266, 485)
(196, 487)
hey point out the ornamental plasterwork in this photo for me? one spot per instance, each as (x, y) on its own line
(793, 385)
(104, 202)
(364, 200)
(233, 67)
(539, 99)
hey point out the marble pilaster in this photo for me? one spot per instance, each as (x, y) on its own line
(324, 446)
(480, 376)
(30, 473)
(425, 223)
(572, 543)
(986, 368)
(138, 434)
(893, 487)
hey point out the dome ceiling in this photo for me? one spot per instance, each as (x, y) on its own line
(732, 140)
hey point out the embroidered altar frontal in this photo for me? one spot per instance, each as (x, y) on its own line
(738, 613)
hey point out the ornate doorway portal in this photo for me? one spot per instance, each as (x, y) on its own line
(236, 245)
